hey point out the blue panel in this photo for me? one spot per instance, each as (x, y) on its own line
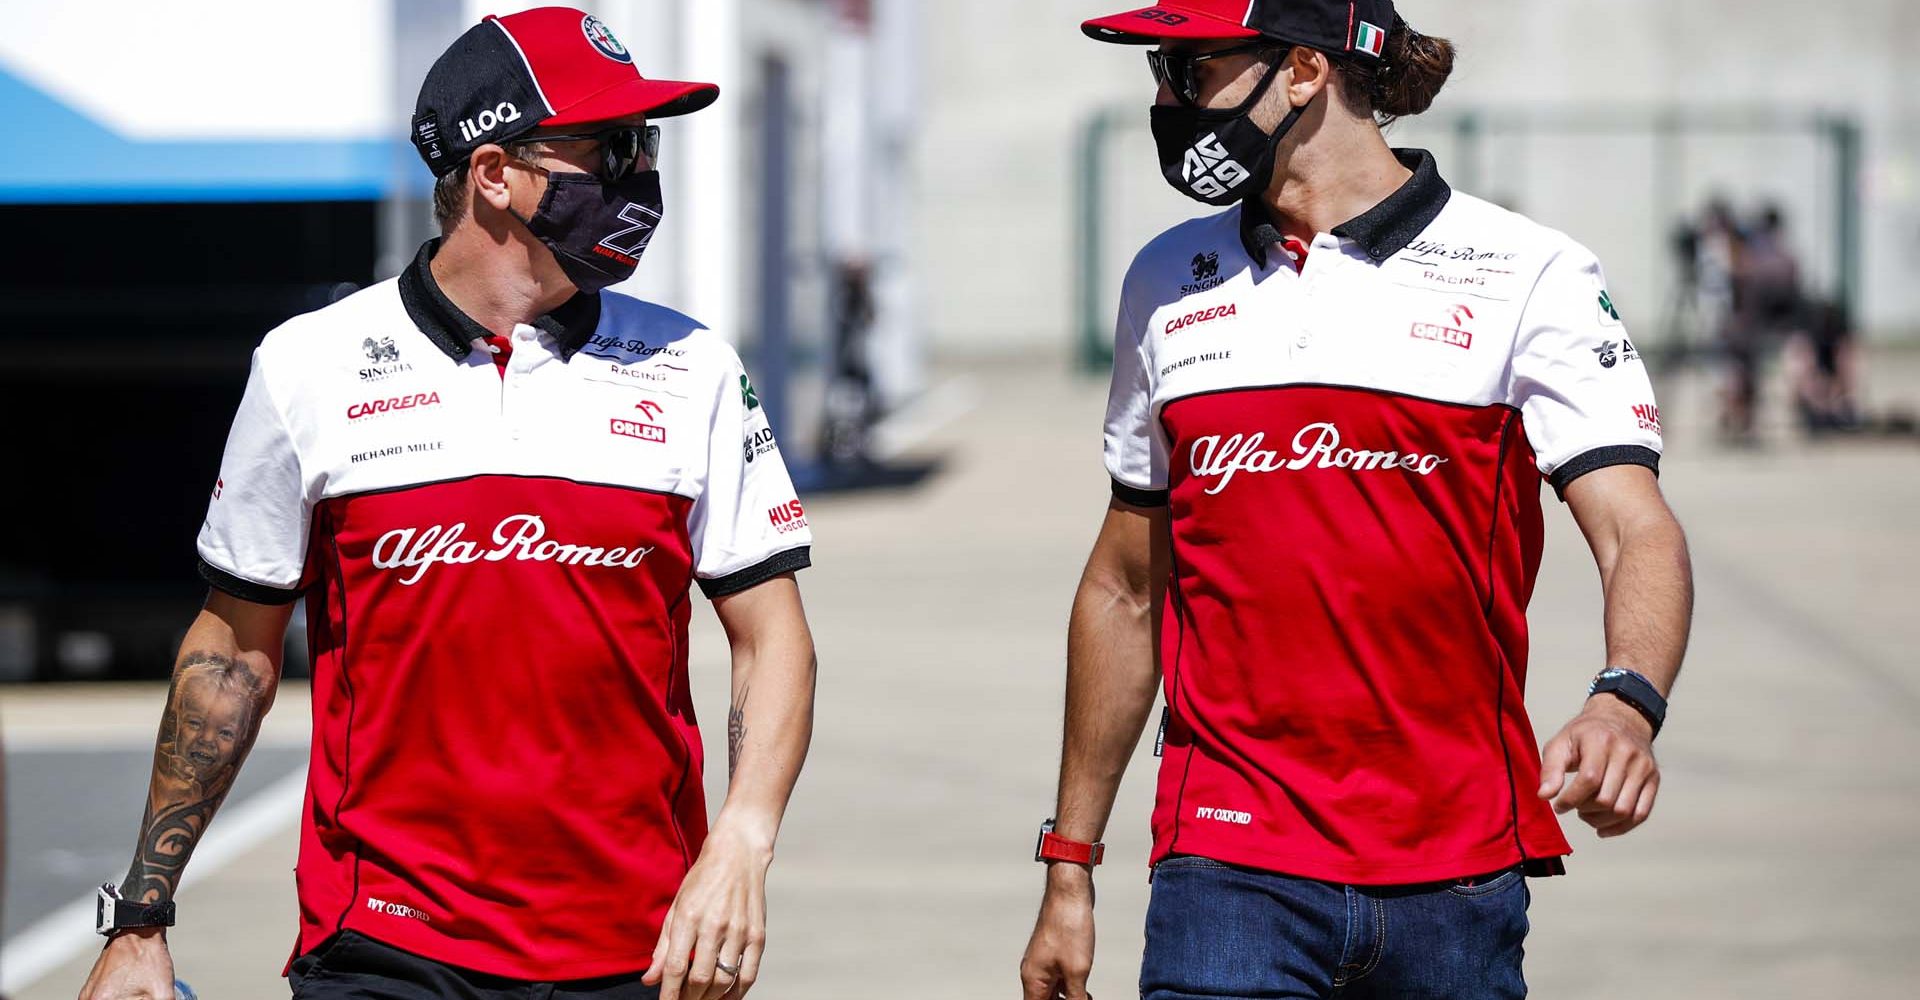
(50, 153)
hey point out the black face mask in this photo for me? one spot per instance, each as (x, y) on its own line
(1219, 156)
(597, 229)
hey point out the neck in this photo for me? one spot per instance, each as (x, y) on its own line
(1336, 177)
(497, 280)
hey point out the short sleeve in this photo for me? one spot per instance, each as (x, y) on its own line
(254, 542)
(1578, 380)
(747, 524)
(1136, 458)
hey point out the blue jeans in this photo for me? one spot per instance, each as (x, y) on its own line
(1217, 931)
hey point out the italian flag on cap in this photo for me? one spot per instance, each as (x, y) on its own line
(1369, 39)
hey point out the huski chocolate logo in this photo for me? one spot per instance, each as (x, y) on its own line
(1316, 445)
(520, 537)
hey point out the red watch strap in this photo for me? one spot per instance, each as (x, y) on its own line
(1054, 847)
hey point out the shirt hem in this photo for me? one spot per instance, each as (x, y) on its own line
(1350, 873)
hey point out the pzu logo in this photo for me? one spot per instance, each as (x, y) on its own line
(486, 121)
(1210, 170)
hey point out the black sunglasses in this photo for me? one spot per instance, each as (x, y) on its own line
(620, 148)
(1175, 70)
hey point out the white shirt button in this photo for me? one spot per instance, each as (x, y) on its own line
(1303, 340)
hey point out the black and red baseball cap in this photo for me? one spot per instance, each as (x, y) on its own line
(1338, 27)
(511, 74)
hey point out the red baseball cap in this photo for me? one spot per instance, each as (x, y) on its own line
(1340, 27)
(511, 74)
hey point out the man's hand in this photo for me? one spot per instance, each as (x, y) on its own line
(134, 965)
(1609, 746)
(1060, 954)
(720, 915)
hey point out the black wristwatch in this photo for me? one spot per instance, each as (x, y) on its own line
(111, 913)
(1633, 689)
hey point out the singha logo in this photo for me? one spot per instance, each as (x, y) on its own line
(383, 350)
(1205, 265)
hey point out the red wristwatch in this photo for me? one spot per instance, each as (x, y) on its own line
(1053, 847)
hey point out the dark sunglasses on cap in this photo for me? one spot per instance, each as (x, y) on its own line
(1176, 70)
(620, 148)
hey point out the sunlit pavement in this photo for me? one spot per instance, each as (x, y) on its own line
(1780, 863)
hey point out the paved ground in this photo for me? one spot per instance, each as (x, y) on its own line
(1782, 861)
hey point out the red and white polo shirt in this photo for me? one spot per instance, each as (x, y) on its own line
(496, 548)
(1350, 436)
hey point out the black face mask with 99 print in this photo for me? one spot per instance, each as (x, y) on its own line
(597, 229)
(1218, 155)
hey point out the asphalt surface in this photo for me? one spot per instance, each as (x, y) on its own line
(1781, 861)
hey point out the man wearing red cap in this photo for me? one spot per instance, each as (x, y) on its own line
(1332, 407)
(494, 484)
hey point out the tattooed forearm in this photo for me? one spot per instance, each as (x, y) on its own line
(736, 730)
(213, 714)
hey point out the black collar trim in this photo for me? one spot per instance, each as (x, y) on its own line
(1383, 230)
(454, 331)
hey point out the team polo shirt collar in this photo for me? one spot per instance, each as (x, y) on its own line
(1383, 230)
(454, 331)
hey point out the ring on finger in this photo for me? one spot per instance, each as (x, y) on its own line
(731, 970)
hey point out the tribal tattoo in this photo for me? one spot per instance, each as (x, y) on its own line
(736, 730)
(213, 714)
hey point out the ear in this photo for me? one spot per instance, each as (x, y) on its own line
(487, 173)
(1312, 73)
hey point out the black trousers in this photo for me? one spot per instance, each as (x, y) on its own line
(351, 966)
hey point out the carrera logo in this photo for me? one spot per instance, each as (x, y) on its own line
(374, 408)
(520, 537)
(1202, 316)
(1316, 445)
(1210, 170)
(1648, 415)
(635, 429)
(486, 121)
(789, 516)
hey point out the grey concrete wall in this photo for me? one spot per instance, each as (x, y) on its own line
(1008, 83)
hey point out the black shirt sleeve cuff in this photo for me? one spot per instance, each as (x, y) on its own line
(758, 573)
(1600, 458)
(246, 590)
(1138, 497)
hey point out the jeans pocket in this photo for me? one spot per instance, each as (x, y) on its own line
(1499, 883)
(1175, 862)
(317, 963)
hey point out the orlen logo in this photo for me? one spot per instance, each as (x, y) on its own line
(1203, 316)
(789, 516)
(1455, 334)
(520, 537)
(635, 429)
(1210, 170)
(1316, 444)
(486, 121)
(373, 408)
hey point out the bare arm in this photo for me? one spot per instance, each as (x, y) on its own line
(223, 683)
(1648, 586)
(1112, 675)
(719, 915)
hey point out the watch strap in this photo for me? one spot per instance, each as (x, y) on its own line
(1054, 847)
(1634, 689)
(112, 913)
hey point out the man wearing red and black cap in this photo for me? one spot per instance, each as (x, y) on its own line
(1332, 407)
(494, 485)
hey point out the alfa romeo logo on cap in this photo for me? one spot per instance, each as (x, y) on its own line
(603, 40)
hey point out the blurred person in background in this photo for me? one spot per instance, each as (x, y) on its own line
(1823, 367)
(495, 483)
(1331, 409)
(1768, 308)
